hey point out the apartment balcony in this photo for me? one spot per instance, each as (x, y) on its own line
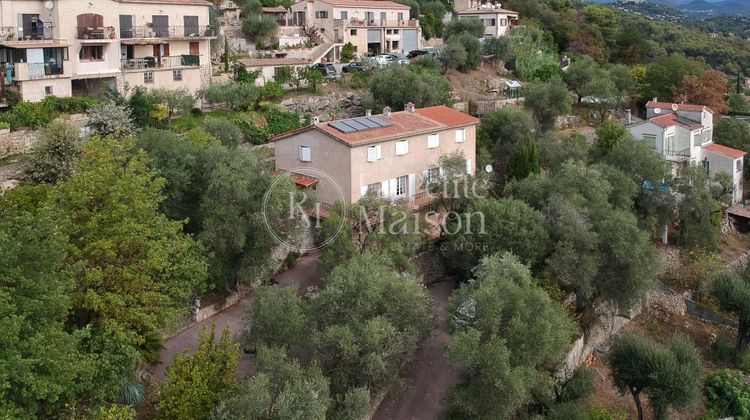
(35, 33)
(153, 63)
(102, 33)
(678, 156)
(33, 71)
(166, 32)
(377, 23)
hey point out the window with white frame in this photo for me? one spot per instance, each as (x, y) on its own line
(148, 77)
(402, 147)
(432, 174)
(401, 185)
(375, 189)
(305, 154)
(433, 141)
(374, 153)
(738, 165)
(460, 135)
(321, 14)
(177, 75)
(344, 15)
(697, 139)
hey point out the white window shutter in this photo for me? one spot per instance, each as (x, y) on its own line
(392, 187)
(384, 189)
(433, 141)
(412, 185)
(468, 166)
(372, 154)
(378, 152)
(363, 190)
(406, 146)
(402, 147)
(424, 177)
(460, 135)
(305, 154)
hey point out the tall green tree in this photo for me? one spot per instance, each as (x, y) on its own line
(135, 270)
(670, 376)
(498, 317)
(699, 212)
(667, 72)
(281, 389)
(547, 101)
(277, 318)
(733, 294)
(196, 383)
(55, 158)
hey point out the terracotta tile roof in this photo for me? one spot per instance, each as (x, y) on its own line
(273, 62)
(447, 116)
(680, 107)
(276, 9)
(375, 4)
(483, 10)
(674, 119)
(188, 2)
(300, 180)
(405, 124)
(724, 150)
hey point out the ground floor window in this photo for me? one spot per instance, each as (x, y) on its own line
(48, 91)
(375, 189)
(177, 75)
(401, 185)
(148, 77)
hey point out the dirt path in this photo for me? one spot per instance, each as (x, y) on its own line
(429, 376)
(304, 273)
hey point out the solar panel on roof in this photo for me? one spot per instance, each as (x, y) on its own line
(380, 122)
(367, 122)
(357, 125)
(344, 128)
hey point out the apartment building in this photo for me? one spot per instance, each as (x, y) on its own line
(373, 27)
(683, 135)
(72, 47)
(389, 154)
(497, 21)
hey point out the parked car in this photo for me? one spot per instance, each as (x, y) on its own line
(354, 67)
(413, 54)
(402, 59)
(326, 69)
(383, 60)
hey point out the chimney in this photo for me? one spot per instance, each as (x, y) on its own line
(410, 107)
(628, 116)
(315, 120)
(656, 99)
(368, 112)
(387, 112)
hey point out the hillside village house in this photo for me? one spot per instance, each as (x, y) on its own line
(683, 135)
(497, 21)
(71, 47)
(374, 27)
(388, 155)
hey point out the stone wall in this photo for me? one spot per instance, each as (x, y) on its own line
(431, 265)
(343, 105)
(24, 139)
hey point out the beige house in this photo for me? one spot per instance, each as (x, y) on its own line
(497, 21)
(388, 154)
(267, 67)
(72, 47)
(373, 27)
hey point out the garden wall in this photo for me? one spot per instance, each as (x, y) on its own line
(24, 139)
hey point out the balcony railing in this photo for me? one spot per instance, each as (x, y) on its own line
(377, 23)
(146, 63)
(166, 32)
(88, 32)
(14, 33)
(43, 69)
(678, 156)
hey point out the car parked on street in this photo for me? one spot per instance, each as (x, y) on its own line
(354, 67)
(326, 69)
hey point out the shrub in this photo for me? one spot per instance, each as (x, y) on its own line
(227, 132)
(71, 105)
(272, 90)
(280, 121)
(728, 394)
(200, 137)
(234, 95)
(177, 100)
(580, 385)
(34, 114)
(140, 107)
(4, 125)
(60, 146)
(109, 118)
(12, 98)
(347, 52)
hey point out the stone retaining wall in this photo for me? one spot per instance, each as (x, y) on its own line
(24, 139)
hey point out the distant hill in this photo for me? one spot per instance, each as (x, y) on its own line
(702, 9)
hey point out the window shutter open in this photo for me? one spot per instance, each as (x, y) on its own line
(468, 166)
(412, 185)
(305, 154)
(379, 152)
(384, 189)
(372, 154)
(363, 191)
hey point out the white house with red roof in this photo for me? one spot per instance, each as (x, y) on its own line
(683, 135)
(497, 21)
(388, 154)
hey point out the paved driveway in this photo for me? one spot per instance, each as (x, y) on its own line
(304, 273)
(429, 377)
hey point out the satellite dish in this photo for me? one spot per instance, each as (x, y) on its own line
(657, 111)
(488, 169)
(675, 107)
(49, 5)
